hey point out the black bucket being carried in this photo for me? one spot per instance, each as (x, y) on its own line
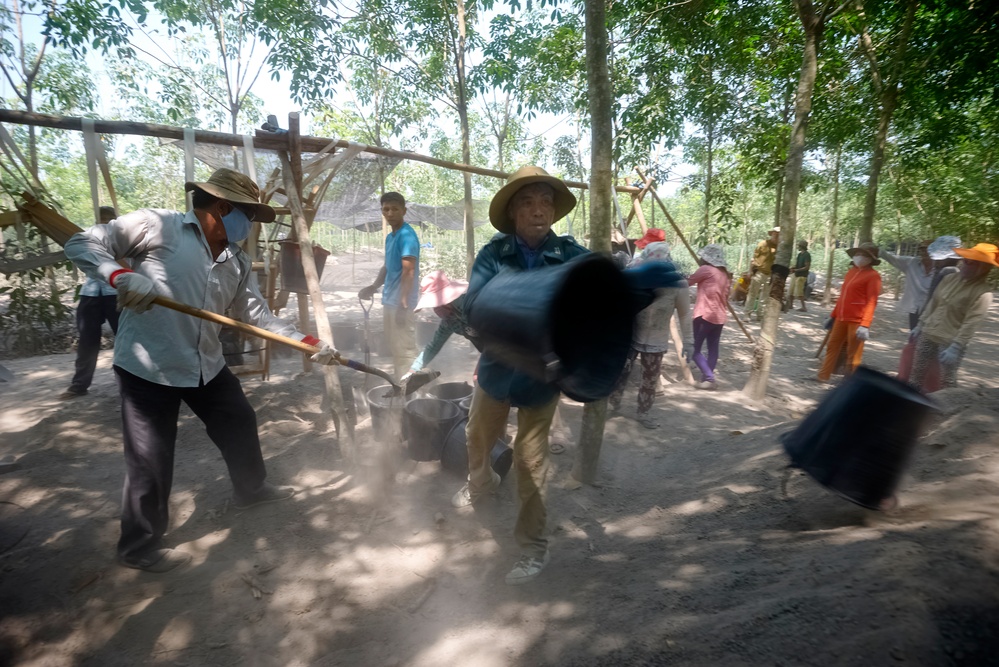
(860, 438)
(570, 325)
(454, 456)
(426, 422)
(386, 413)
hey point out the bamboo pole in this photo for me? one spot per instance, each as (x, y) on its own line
(262, 140)
(693, 254)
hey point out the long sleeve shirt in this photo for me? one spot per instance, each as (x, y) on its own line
(652, 323)
(763, 257)
(712, 293)
(497, 379)
(955, 310)
(162, 345)
(917, 280)
(859, 296)
(455, 323)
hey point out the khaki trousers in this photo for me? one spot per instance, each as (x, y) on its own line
(400, 338)
(486, 423)
(758, 285)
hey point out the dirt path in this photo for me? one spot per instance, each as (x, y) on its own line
(686, 555)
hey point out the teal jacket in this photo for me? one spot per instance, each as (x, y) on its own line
(500, 381)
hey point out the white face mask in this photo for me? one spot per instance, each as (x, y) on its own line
(860, 261)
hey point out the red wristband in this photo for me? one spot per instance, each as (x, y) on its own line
(115, 275)
(310, 340)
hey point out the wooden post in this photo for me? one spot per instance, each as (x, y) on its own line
(334, 393)
(679, 235)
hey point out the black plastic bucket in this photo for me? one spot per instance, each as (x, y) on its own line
(465, 405)
(570, 325)
(859, 440)
(454, 456)
(452, 391)
(345, 336)
(426, 422)
(386, 414)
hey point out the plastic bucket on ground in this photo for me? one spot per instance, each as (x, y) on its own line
(570, 325)
(454, 456)
(292, 274)
(465, 405)
(426, 422)
(860, 438)
(376, 341)
(451, 391)
(386, 414)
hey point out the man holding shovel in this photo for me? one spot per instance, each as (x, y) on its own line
(163, 357)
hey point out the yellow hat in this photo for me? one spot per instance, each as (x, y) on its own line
(983, 252)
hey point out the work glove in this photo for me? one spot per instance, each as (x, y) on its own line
(829, 324)
(326, 355)
(863, 333)
(414, 380)
(951, 355)
(914, 334)
(135, 291)
(653, 275)
(367, 292)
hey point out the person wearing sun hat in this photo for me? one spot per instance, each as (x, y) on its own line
(712, 280)
(851, 318)
(918, 272)
(163, 357)
(761, 266)
(953, 314)
(447, 299)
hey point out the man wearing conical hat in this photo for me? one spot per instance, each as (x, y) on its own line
(953, 314)
(523, 211)
(163, 357)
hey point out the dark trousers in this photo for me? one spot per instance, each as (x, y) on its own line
(710, 333)
(91, 314)
(149, 413)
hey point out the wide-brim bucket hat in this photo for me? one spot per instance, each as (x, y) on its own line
(436, 289)
(565, 201)
(651, 236)
(235, 188)
(943, 247)
(982, 252)
(869, 249)
(714, 255)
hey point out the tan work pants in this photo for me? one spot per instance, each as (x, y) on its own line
(486, 423)
(757, 285)
(400, 338)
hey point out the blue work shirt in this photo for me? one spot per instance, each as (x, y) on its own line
(500, 381)
(399, 244)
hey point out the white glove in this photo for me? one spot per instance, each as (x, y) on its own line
(863, 333)
(951, 355)
(914, 334)
(135, 291)
(326, 355)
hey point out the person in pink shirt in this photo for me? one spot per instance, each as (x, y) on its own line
(710, 310)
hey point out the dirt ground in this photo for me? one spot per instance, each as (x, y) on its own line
(686, 554)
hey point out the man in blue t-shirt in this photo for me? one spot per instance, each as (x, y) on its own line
(401, 277)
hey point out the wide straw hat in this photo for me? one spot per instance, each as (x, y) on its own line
(943, 247)
(714, 255)
(565, 201)
(867, 248)
(235, 188)
(983, 252)
(651, 236)
(439, 290)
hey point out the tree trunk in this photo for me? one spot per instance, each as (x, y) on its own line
(466, 153)
(813, 23)
(601, 191)
(831, 237)
(706, 234)
(889, 101)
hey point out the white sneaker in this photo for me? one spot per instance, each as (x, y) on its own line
(527, 568)
(465, 497)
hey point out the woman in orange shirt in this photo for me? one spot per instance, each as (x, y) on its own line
(851, 318)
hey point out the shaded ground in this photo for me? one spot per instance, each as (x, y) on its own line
(686, 555)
